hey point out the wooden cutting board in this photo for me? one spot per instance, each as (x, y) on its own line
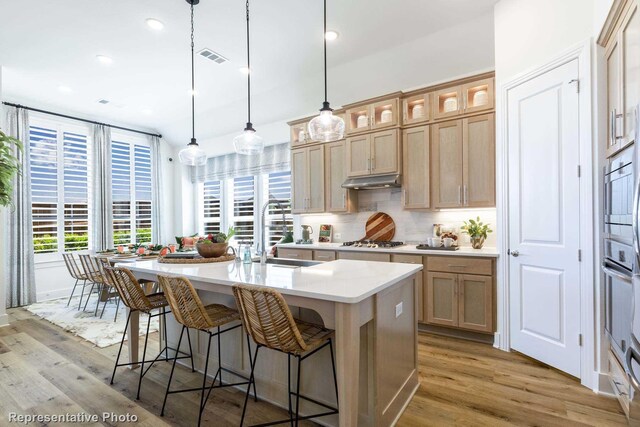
(380, 226)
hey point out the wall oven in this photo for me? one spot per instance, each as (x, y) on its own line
(619, 185)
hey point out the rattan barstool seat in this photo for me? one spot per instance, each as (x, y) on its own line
(221, 314)
(157, 300)
(313, 335)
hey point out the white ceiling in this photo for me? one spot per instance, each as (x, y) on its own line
(45, 44)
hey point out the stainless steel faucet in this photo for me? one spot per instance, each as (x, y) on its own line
(263, 246)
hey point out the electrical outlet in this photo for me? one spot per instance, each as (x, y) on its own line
(337, 236)
(398, 309)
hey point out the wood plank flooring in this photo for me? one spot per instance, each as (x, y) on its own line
(45, 370)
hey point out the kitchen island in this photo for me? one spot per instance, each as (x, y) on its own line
(372, 307)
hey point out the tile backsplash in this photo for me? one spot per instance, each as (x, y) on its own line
(411, 226)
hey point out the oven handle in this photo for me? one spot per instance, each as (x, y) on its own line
(617, 274)
(632, 354)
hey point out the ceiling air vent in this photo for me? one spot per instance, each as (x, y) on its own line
(103, 101)
(212, 56)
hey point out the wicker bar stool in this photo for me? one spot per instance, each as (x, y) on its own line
(189, 311)
(134, 298)
(267, 318)
(92, 272)
(76, 272)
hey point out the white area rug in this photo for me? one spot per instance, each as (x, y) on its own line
(101, 332)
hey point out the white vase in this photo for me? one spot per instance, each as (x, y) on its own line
(480, 98)
(385, 116)
(363, 121)
(417, 112)
(450, 104)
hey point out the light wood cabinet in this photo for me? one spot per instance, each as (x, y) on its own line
(324, 255)
(460, 293)
(337, 199)
(373, 154)
(365, 256)
(299, 133)
(373, 116)
(463, 162)
(416, 109)
(415, 259)
(307, 179)
(291, 253)
(613, 56)
(415, 168)
(468, 98)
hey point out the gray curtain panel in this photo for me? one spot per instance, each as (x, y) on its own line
(19, 270)
(157, 189)
(274, 158)
(102, 230)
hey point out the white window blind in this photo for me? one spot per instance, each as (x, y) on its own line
(131, 192)
(76, 192)
(44, 184)
(212, 202)
(244, 207)
(278, 186)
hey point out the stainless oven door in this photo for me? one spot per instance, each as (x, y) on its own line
(618, 197)
(618, 294)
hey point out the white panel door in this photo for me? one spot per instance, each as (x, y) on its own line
(544, 239)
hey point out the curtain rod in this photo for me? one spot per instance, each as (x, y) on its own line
(10, 104)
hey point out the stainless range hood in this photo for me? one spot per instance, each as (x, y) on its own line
(372, 182)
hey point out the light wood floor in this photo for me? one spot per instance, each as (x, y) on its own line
(44, 370)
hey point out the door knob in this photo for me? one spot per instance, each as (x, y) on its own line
(513, 253)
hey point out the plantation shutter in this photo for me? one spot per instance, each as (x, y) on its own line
(121, 192)
(76, 192)
(44, 188)
(278, 187)
(243, 207)
(212, 214)
(142, 181)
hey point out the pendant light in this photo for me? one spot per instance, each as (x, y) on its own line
(193, 155)
(326, 127)
(248, 142)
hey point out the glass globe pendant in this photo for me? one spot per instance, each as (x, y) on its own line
(193, 155)
(326, 127)
(248, 142)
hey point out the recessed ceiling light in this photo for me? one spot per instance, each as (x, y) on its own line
(64, 89)
(244, 70)
(331, 35)
(104, 59)
(146, 111)
(154, 24)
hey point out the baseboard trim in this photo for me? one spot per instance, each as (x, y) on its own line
(456, 333)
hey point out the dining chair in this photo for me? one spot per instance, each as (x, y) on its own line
(76, 272)
(266, 317)
(189, 311)
(95, 275)
(133, 297)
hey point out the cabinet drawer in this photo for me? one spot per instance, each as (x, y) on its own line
(455, 264)
(364, 256)
(305, 254)
(324, 255)
(619, 382)
(407, 259)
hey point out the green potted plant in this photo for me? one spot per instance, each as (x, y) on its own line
(215, 245)
(477, 231)
(9, 166)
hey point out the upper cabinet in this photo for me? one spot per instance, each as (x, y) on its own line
(622, 56)
(307, 179)
(377, 153)
(463, 163)
(467, 98)
(415, 168)
(299, 133)
(416, 109)
(337, 199)
(373, 116)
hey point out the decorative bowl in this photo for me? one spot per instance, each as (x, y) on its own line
(211, 250)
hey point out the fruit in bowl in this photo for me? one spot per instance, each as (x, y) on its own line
(214, 245)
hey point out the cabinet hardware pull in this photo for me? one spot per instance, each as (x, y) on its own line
(373, 163)
(612, 127)
(456, 266)
(459, 194)
(466, 195)
(404, 197)
(369, 165)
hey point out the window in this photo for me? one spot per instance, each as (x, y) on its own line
(243, 207)
(237, 201)
(59, 158)
(212, 212)
(131, 192)
(278, 186)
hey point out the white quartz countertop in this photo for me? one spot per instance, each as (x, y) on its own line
(344, 281)
(409, 248)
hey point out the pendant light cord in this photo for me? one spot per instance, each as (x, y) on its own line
(324, 38)
(248, 71)
(193, 85)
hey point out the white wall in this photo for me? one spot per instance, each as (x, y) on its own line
(3, 312)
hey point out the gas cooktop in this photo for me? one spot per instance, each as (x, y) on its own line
(373, 244)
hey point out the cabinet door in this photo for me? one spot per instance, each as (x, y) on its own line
(479, 161)
(475, 302)
(477, 96)
(447, 102)
(442, 299)
(357, 120)
(358, 156)
(385, 152)
(337, 199)
(364, 256)
(315, 173)
(299, 134)
(630, 39)
(324, 255)
(416, 109)
(295, 253)
(415, 259)
(299, 180)
(384, 114)
(446, 164)
(415, 168)
(613, 96)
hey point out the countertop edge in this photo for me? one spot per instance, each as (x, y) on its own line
(403, 250)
